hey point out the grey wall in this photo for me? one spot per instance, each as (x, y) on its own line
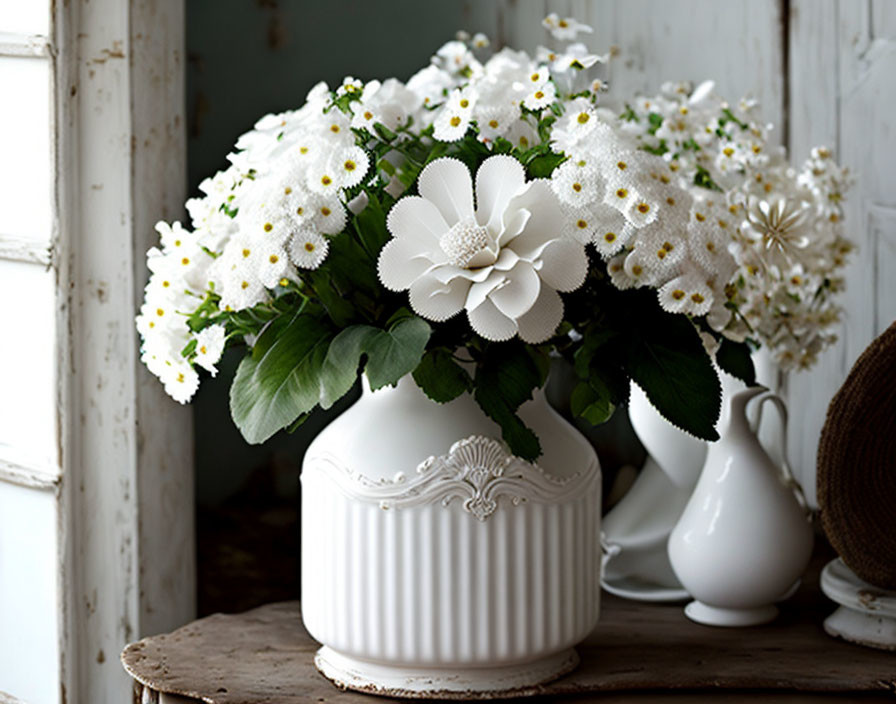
(250, 57)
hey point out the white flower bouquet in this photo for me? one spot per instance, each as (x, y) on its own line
(489, 212)
(786, 224)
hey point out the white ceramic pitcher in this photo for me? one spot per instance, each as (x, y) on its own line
(744, 538)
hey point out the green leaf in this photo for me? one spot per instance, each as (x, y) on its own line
(397, 351)
(671, 366)
(505, 379)
(734, 358)
(384, 132)
(343, 362)
(272, 390)
(543, 166)
(440, 377)
(370, 224)
(591, 400)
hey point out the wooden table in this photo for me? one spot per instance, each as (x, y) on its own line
(640, 653)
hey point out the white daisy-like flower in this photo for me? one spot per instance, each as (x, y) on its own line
(349, 166)
(576, 183)
(350, 86)
(454, 117)
(480, 41)
(209, 347)
(579, 120)
(495, 121)
(180, 380)
(273, 265)
(687, 293)
(502, 260)
(540, 97)
(457, 59)
(564, 28)
(576, 58)
(308, 249)
(522, 135)
(431, 85)
(389, 103)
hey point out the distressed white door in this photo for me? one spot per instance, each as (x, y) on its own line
(824, 73)
(96, 527)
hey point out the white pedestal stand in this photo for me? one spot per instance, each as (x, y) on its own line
(867, 614)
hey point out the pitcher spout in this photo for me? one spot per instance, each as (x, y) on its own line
(737, 409)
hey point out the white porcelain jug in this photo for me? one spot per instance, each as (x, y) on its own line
(744, 538)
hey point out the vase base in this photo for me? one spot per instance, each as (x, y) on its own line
(714, 616)
(443, 683)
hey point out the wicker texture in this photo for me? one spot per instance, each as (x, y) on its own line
(857, 465)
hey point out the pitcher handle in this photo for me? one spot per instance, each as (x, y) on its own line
(786, 471)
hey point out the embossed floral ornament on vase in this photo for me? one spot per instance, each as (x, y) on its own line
(502, 259)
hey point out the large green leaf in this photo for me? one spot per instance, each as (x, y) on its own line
(390, 354)
(734, 358)
(440, 377)
(505, 379)
(281, 381)
(397, 351)
(342, 363)
(669, 363)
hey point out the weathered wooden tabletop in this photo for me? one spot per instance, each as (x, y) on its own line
(264, 656)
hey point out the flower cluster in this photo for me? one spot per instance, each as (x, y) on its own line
(491, 204)
(785, 225)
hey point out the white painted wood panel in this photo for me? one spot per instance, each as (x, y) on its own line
(738, 43)
(27, 364)
(25, 179)
(127, 482)
(843, 93)
(29, 620)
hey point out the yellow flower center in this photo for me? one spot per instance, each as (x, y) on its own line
(678, 294)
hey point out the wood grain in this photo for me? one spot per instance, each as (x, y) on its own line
(264, 656)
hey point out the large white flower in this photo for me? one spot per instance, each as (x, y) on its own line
(503, 259)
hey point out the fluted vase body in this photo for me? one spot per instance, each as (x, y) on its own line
(434, 559)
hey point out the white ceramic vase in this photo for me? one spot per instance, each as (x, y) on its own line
(744, 538)
(435, 563)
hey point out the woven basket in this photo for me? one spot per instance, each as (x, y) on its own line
(857, 465)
